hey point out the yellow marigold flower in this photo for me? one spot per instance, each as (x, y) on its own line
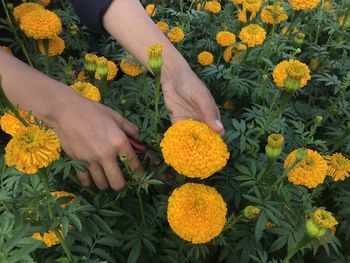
(44, 2)
(56, 46)
(338, 166)
(252, 35)
(199, 6)
(112, 71)
(6, 49)
(11, 125)
(87, 90)
(155, 58)
(205, 58)
(60, 194)
(327, 5)
(251, 212)
(275, 140)
(242, 15)
(151, 10)
(273, 14)
(235, 50)
(49, 238)
(163, 26)
(41, 24)
(342, 21)
(130, 67)
(32, 148)
(303, 4)
(196, 213)
(193, 149)
(252, 5)
(82, 76)
(25, 8)
(212, 6)
(176, 35)
(225, 38)
(293, 70)
(310, 172)
(323, 219)
(228, 54)
(237, 2)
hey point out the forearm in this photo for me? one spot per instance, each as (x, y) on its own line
(129, 24)
(31, 90)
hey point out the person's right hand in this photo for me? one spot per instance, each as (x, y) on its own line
(96, 134)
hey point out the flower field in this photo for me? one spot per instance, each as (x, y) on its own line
(274, 188)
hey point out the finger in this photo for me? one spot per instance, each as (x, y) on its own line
(113, 173)
(133, 161)
(84, 178)
(128, 127)
(98, 176)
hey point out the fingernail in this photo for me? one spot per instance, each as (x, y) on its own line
(219, 124)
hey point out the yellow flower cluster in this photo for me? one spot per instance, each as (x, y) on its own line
(205, 58)
(252, 35)
(193, 149)
(233, 50)
(25, 8)
(338, 166)
(237, 2)
(225, 38)
(41, 24)
(11, 125)
(151, 10)
(55, 46)
(196, 213)
(163, 26)
(303, 4)
(176, 35)
(212, 6)
(252, 5)
(293, 70)
(49, 238)
(32, 148)
(273, 14)
(242, 15)
(310, 172)
(87, 90)
(60, 194)
(112, 71)
(131, 67)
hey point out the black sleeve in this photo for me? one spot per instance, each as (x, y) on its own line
(91, 12)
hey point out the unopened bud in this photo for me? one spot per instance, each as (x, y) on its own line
(102, 67)
(251, 212)
(73, 29)
(90, 64)
(318, 120)
(291, 84)
(271, 152)
(155, 59)
(313, 230)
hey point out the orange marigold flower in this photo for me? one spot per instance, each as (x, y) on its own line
(131, 67)
(225, 38)
(196, 213)
(176, 35)
(303, 4)
(234, 49)
(242, 15)
(252, 5)
(32, 148)
(163, 26)
(327, 5)
(338, 166)
(310, 172)
(151, 10)
(237, 2)
(112, 71)
(41, 24)
(49, 238)
(252, 35)
(193, 149)
(25, 8)
(212, 6)
(273, 14)
(87, 90)
(55, 48)
(60, 194)
(205, 58)
(82, 76)
(11, 125)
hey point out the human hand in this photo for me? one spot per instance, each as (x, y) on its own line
(96, 134)
(187, 97)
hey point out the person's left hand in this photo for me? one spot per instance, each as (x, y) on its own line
(186, 97)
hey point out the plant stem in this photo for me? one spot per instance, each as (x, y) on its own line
(302, 243)
(63, 244)
(104, 89)
(156, 103)
(141, 209)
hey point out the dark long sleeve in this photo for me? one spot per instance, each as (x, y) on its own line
(91, 12)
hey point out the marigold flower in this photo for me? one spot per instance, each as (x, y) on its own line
(252, 35)
(303, 4)
(273, 14)
(49, 238)
(55, 48)
(11, 125)
(163, 26)
(87, 90)
(130, 67)
(90, 63)
(196, 213)
(32, 148)
(237, 2)
(205, 58)
(327, 5)
(310, 172)
(112, 71)
(60, 194)
(275, 140)
(6, 49)
(41, 24)
(155, 59)
(242, 16)
(319, 222)
(176, 35)
(251, 212)
(225, 38)
(212, 6)
(338, 166)
(292, 70)
(193, 149)
(233, 50)
(82, 76)
(252, 5)
(25, 8)
(151, 10)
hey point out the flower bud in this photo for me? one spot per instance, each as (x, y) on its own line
(275, 140)
(251, 212)
(73, 29)
(291, 84)
(90, 64)
(155, 59)
(318, 120)
(102, 67)
(271, 152)
(228, 105)
(313, 231)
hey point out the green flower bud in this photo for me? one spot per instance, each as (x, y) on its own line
(251, 212)
(318, 120)
(90, 64)
(155, 59)
(273, 153)
(313, 230)
(102, 67)
(291, 84)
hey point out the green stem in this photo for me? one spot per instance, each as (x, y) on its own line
(141, 209)
(63, 244)
(156, 103)
(302, 243)
(104, 89)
